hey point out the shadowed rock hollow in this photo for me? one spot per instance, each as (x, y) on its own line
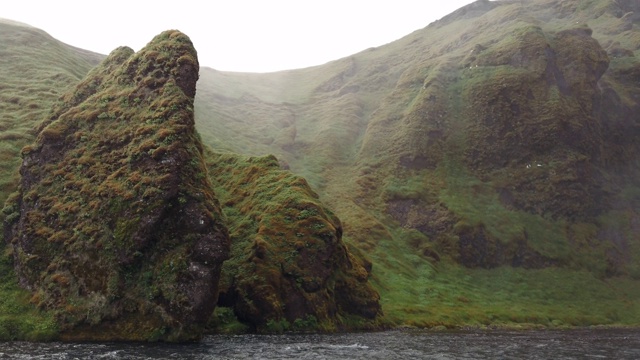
(115, 226)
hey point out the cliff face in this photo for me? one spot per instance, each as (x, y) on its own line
(516, 122)
(537, 107)
(289, 265)
(521, 136)
(115, 226)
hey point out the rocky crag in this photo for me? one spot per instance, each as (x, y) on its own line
(115, 226)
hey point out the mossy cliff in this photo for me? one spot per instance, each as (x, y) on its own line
(289, 267)
(115, 227)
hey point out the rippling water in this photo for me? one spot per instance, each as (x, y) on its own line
(570, 344)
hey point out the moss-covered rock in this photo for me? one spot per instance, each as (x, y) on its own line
(289, 264)
(115, 227)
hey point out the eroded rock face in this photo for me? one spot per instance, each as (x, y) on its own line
(514, 148)
(116, 227)
(289, 262)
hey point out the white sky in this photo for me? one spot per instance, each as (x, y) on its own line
(235, 35)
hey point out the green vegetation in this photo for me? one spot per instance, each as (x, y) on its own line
(483, 170)
(19, 320)
(33, 77)
(453, 296)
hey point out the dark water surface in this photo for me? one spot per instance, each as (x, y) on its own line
(496, 344)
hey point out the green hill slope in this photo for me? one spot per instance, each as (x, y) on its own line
(494, 149)
(483, 170)
(35, 69)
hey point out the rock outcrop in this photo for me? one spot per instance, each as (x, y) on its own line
(289, 268)
(115, 226)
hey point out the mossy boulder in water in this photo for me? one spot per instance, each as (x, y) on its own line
(289, 267)
(115, 226)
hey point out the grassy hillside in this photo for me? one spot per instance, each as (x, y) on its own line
(493, 149)
(484, 168)
(35, 69)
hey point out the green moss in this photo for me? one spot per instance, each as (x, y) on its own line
(20, 320)
(224, 321)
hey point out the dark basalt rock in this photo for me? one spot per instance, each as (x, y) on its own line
(115, 227)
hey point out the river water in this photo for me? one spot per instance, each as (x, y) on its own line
(490, 344)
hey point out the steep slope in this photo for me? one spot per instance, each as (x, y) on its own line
(115, 227)
(495, 147)
(524, 126)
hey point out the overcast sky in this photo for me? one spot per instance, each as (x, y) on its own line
(235, 35)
